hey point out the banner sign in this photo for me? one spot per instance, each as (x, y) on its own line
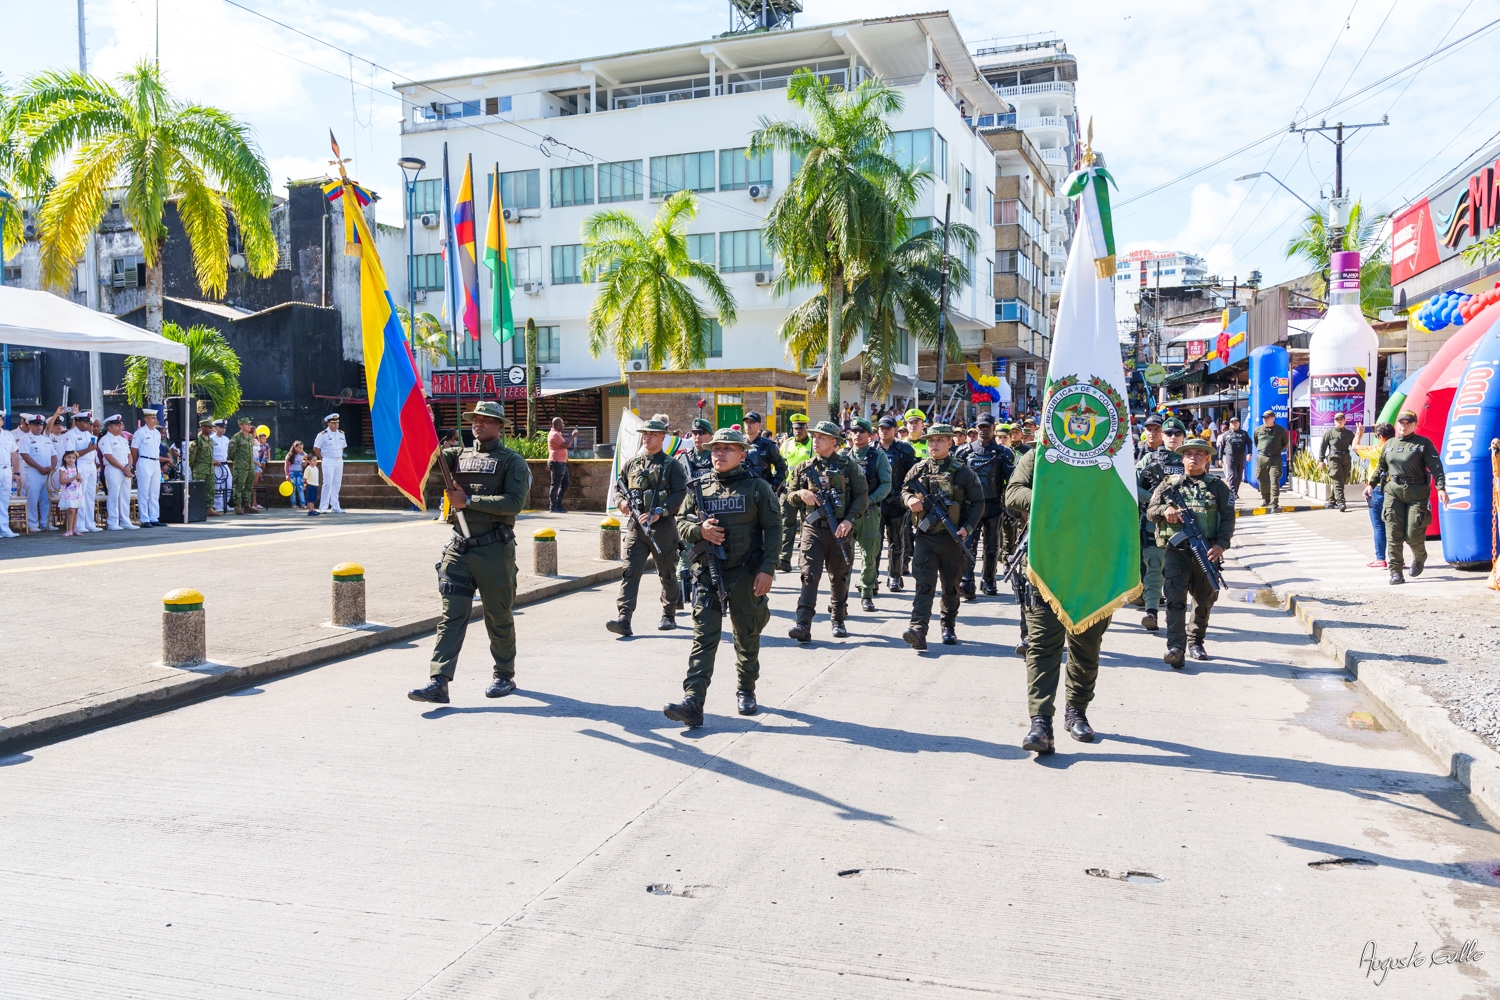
(1473, 422)
(1341, 392)
(484, 385)
(1270, 389)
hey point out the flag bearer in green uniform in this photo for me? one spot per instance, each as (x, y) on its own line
(1212, 506)
(738, 515)
(877, 470)
(937, 556)
(824, 541)
(795, 449)
(493, 484)
(1409, 465)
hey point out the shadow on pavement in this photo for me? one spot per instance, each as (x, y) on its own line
(1480, 873)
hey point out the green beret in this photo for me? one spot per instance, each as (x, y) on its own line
(729, 435)
(861, 424)
(702, 426)
(1173, 424)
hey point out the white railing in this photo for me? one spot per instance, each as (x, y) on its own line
(1058, 156)
(1027, 89)
(1044, 121)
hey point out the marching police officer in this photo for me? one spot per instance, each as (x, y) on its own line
(826, 540)
(1159, 460)
(493, 485)
(936, 555)
(739, 516)
(893, 513)
(877, 471)
(1046, 636)
(1270, 440)
(794, 450)
(764, 458)
(1408, 466)
(992, 463)
(696, 461)
(654, 488)
(1212, 506)
(1337, 440)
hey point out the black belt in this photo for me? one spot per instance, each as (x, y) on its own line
(1412, 480)
(504, 534)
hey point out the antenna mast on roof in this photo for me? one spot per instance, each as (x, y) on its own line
(746, 16)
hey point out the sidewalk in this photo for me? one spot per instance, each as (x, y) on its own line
(83, 632)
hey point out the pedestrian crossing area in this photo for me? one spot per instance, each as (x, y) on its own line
(1284, 553)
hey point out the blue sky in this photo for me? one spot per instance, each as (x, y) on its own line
(1170, 85)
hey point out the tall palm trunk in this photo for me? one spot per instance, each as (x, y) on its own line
(835, 340)
(864, 385)
(156, 379)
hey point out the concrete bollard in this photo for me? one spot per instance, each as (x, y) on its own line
(544, 552)
(609, 540)
(348, 594)
(184, 629)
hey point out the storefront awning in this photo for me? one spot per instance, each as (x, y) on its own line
(561, 386)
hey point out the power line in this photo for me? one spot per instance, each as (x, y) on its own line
(1366, 52)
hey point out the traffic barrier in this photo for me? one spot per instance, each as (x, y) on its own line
(184, 629)
(544, 552)
(348, 594)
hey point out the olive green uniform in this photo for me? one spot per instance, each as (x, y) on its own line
(695, 462)
(201, 458)
(1213, 508)
(497, 481)
(745, 507)
(1336, 444)
(661, 483)
(1269, 442)
(937, 557)
(1150, 471)
(793, 452)
(1407, 469)
(1046, 634)
(877, 472)
(242, 463)
(818, 544)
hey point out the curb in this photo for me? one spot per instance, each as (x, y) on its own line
(1470, 761)
(1283, 509)
(194, 687)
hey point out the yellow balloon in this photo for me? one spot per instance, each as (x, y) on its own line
(285, 488)
(263, 429)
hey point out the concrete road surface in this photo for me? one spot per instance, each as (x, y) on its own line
(875, 832)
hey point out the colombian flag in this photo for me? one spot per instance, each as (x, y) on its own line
(464, 227)
(405, 441)
(982, 388)
(502, 322)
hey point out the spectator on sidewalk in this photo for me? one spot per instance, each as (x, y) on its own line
(261, 457)
(296, 461)
(311, 477)
(1234, 447)
(70, 493)
(1374, 492)
(557, 464)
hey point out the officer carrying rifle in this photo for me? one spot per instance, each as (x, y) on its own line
(1188, 508)
(651, 489)
(946, 500)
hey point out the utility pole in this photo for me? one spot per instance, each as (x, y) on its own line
(1338, 208)
(91, 250)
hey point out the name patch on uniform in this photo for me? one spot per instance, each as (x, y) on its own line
(476, 463)
(725, 503)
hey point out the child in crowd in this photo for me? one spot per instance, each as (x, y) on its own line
(296, 459)
(310, 482)
(70, 493)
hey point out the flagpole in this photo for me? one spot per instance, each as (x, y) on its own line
(937, 385)
(450, 268)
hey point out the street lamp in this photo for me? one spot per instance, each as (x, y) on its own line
(411, 169)
(1262, 173)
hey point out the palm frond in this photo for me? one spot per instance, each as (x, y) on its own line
(215, 365)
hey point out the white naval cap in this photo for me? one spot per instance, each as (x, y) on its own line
(114, 418)
(84, 415)
(331, 416)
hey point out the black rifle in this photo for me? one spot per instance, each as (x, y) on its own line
(634, 502)
(1015, 568)
(827, 504)
(1190, 535)
(713, 553)
(935, 503)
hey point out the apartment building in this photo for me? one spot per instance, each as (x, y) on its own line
(624, 131)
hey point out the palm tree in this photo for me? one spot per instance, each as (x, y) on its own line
(216, 369)
(846, 203)
(137, 138)
(429, 340)
(16, 180)
(644, 302)
(1362, 234)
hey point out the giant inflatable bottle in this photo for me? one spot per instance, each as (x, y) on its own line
(1342, 355)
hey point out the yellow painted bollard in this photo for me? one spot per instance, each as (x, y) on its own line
(609, 540)
(544, 552)
(184, 629)
(348, 594)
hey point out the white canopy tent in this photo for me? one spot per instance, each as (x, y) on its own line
(40, 319)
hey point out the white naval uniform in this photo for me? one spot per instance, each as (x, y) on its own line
(8, 447)
(88, 473)
(34, 483)
(222, 475)
(331, 444)
(117, 481)
(147, 443)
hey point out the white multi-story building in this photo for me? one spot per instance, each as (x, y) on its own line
(623, 131)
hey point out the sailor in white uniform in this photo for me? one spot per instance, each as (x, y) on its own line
(329, 446)
(115, 451)
(81, 439)
(38, 461)
(10, 467)
(223, 478)
(145, 453)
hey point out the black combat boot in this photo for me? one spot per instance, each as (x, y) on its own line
(801, 631)
(1022, 647)
(950, 638)
(1039, 739)
(500, 687)
(867, 605)
(966, 590)
(1174, 658)
(1148, 621)
(689, 711)
(989, 589)
(1078, 725)
(1417, 566)
(838, 629)
(915, 636)
(747, 703)
(1196, 651)
(896, 584)
(784, 566)
(620, 625)
(668, 621)
(1396, 576)
(436, 691)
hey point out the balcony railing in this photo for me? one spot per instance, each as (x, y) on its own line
(1044, 122)
(1056, 156)
(1027, 89)
(993, 121)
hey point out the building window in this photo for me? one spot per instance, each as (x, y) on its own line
(914, 149)
(548, 346)
(797, 157)
(12, 274)
(713, 338)
(743, 251)
(426, 196)
(427, 272)
(566, 264)
(990, 266)
(1011, 212)
(684, 172)
(968, 189)
(700, 246)
(518, 189)
(1016, 262)
(923, 224)
(525, 265)
(989, 204)
(128, 272)
(1012, 311)
(438, 111)
(903, 347)
(468, 351)
(497, 105)
(738, 171)
(620, 181)
(572, 186)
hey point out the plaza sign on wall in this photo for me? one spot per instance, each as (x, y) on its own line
(1436, 227)
(483, 384)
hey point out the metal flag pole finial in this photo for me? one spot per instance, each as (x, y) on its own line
(1088, 145)
(339, 158)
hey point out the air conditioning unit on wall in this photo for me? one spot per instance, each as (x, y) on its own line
(637, 366)
(510, 215)
(764, 277)
(531, 287)
(430, 220)
(759, 192)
